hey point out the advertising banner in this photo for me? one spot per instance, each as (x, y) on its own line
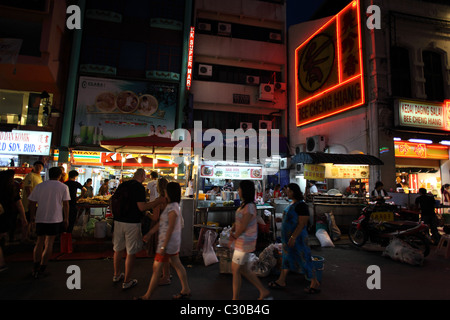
(113, 109)
(314, 172)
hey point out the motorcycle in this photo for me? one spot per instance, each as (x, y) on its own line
(370, 226)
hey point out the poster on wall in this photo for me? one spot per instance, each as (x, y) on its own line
(113, 109)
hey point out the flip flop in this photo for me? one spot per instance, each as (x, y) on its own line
(310, 290)
(181, 296)
(276, 285)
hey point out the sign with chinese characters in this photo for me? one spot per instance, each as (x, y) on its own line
(347, 171)
(329, 69)
(231, 172)
(423, 114)
(314, 172)
(190, 63)
(25, 142)
(405, 149)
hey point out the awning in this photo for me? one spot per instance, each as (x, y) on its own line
(336, 158)
(149, 144)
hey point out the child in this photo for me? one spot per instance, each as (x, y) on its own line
(169, 241)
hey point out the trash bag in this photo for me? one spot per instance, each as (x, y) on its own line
(399, 250)
(324, 238)
(209, 255)
(267, 260)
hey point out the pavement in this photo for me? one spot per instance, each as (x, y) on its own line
(345, 277)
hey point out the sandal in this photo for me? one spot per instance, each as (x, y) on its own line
(164, 282)
(276, 285)
(181, 296)
(310, 290)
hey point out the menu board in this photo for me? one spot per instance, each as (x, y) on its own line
(314, 172)
(231, 172)
(347, 172)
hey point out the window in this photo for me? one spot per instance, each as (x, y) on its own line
(23, 108)
(400, 72)
(432, 71)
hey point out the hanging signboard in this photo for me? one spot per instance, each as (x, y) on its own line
(423, 114)
(329, 68)
(314, 172)
(23, 142)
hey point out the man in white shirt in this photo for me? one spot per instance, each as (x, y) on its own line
(152, 186)
(49, 208)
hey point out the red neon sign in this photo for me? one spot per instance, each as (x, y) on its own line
(329, 69)
(190, 63)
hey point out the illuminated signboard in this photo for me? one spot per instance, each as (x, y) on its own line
(190, 59)
(23, 142)
(405, 149)
(329, 68)
(423, 114)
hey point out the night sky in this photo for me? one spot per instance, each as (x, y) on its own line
(301, 10)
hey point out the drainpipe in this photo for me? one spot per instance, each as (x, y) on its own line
(184, 60)
(72, 81)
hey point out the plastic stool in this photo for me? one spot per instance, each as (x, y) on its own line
(444, 246)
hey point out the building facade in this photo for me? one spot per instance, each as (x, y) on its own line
(401, 95)
(33, 67)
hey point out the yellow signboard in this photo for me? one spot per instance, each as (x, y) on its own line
(314, 172)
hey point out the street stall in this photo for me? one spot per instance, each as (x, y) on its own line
(217, 210)
(155, 153)
(330, 170)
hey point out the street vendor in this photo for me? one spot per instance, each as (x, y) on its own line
(215, 190)
(378, 194)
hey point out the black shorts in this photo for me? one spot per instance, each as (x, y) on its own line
(49, 229)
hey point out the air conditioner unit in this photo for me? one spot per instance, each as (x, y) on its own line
(315, 144)
(265, 124)
(245, 125)
(280, 86)
(299, 168)
(285, 163)
(275, 36)
(300, 148)
(204, 26)
(252, 80)
(266, 92)
(224, 29)
(205, 70)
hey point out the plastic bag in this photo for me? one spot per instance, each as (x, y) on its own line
(209, 255)
(401, 251)
(324, 238)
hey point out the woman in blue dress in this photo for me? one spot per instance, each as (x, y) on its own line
(296, 254)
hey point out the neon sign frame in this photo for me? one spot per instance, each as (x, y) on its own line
(357, 78)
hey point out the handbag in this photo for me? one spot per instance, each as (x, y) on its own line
(66, 243)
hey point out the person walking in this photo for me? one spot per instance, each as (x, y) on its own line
(30, 181)
(426, 204)
(244, 234)
(294, 237)
(10, 207)
(169, 242)
(73, 189)
(127, 235)
(49, 208)
(151, 237)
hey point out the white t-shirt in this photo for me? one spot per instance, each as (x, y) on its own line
(173, 246)
(49, 196)
(153, 190)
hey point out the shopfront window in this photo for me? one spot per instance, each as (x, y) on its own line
(24, 108)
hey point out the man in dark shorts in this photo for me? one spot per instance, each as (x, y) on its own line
(426, 204)
(73, 188)
(49, 208)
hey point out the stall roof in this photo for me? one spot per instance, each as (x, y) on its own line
(149, 144)
(337, 158)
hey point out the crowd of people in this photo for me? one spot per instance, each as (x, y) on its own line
(49, 206)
